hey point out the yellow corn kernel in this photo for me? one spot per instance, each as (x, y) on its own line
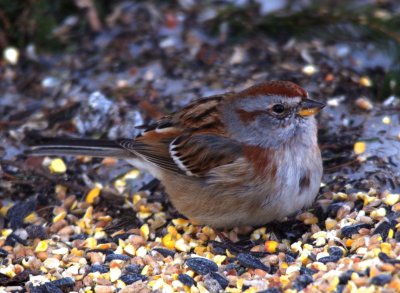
(88, 213)
(391, 199)
(136, 198)
(359, 147)
(284, 280)
(31, 218)
(386, 247)
(145, 231)
(180, 222)
(90, 243)
(57, 166)
(59, 217)
(169, 241)
(271, 246)
(92, 195)
(41, 246)
(365, 81)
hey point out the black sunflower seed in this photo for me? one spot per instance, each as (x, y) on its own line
(345, 277)
(335, 251)
(302, 281)
(99, 268)
(381, 280)
(133, 268)
(36, 231)
(115, 256)
(335, 254)
(348, 231)
(64, 283)
(132, 278)
(223, 282)
(3, 253)
(385, 258)
(50, 287)
(201, 266)
(383, 229)
(327, 259)
(164, 252)
(249, 261)
(19, 211)
(307, 271)
(186, 280)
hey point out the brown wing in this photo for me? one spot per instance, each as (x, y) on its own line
(200, 116)
(198, 154)
(154, 147)
(191, 141)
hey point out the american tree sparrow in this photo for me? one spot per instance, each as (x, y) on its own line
(234, 159)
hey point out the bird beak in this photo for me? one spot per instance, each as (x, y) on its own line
(310, 107)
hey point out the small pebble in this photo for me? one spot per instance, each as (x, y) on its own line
(386, 120)
(309, 69)
(51, 263)
(104, 289)
(365, 81)
(211, 284)
(271, 290)
(11, 55)
(364, 104)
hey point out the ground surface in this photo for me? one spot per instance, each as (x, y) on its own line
(98, 225)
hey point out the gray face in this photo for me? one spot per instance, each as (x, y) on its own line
(268, 121)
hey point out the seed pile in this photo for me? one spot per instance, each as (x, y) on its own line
(347, 242)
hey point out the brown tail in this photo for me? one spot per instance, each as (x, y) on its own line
(78, 147)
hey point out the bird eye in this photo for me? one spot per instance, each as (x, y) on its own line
(278, 108)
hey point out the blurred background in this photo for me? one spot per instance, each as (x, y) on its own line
(97, 69)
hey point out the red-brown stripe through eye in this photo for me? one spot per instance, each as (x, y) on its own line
(247, 117)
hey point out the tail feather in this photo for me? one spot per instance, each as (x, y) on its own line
(78, 147)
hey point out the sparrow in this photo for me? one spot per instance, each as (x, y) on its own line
(234, 159)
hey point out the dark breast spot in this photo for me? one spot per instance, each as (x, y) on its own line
(304, 182)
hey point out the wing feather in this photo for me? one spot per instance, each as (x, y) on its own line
(197, 155)
(191, 141)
